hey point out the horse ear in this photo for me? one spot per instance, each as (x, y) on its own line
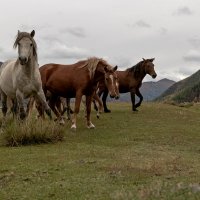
(152, 59)
(143, 59)
(106, 69)
(115, 68)
(32, 33)
(18, 32)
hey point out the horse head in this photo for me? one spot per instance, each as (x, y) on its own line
(149, 67)
(111, 79)
(26, 46)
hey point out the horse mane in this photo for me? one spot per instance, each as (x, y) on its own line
(136, 69)
(27, 35)
(91, 64)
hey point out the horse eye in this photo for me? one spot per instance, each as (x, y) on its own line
(31, 44)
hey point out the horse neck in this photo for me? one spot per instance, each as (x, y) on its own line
(140, 76)
(30, 66)
(98, 76)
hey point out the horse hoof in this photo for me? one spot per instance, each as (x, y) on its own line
(98, 115)
(48, 112)
(91, 126)
(62, 122)
(73, 127)
(22, 116)
(107, 111)
(135, 110)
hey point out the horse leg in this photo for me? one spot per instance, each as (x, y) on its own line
(4, 103)
(100, 109)
(40, 109)
(88, 111)
(95, 105)
(68, 108)
(14, 108)
(52, 103)
(4, 109)
(41, 98)
(30, 106)
(58, 105)
(104, 97)
(140, 97)
(20, 99)
(61, 108)
(133, 101)
(76, 109)
(63, 102)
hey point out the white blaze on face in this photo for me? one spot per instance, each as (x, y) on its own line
(117, 84)
(112, 79)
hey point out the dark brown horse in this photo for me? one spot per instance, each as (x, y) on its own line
(76, 80)
(130, 80)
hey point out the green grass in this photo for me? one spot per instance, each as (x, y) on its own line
(152, 154)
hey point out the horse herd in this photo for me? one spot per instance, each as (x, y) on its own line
(54, 84)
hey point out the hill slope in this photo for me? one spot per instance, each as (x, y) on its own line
(183, 91)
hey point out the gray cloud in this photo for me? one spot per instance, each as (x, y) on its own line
(192, 56)
(122, 62)
(195, 42)
(51, 39)
(187, 71)
(75, 31)
(163, 31)
(61, 51)
(141, 24)
(183, 11)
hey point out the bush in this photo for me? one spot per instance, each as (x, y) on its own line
(31, 132)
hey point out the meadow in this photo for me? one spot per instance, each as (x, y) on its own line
(151, 154)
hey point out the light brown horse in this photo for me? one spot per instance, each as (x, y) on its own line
(130, 80)
(76, 80)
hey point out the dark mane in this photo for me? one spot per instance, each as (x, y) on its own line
(27, 35)
(135, 70)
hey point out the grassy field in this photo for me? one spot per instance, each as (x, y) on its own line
(151, 154)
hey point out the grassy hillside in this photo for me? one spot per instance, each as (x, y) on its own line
(183, 91)
(152, 154)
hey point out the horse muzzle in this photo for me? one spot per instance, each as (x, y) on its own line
(117, 97)
(154, 76)
(23, 60)
(114, 96)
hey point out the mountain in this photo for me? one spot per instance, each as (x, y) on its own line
(150, 90)
(185, 90)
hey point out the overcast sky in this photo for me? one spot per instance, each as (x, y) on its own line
(120, 31)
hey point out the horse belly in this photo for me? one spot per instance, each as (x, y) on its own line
(124, 89)
(62, 91)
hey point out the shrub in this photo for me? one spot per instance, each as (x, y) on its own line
(31, 132)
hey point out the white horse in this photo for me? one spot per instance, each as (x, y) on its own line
(20, 78)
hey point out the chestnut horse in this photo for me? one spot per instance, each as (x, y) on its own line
(130, 80)
(76, 80)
